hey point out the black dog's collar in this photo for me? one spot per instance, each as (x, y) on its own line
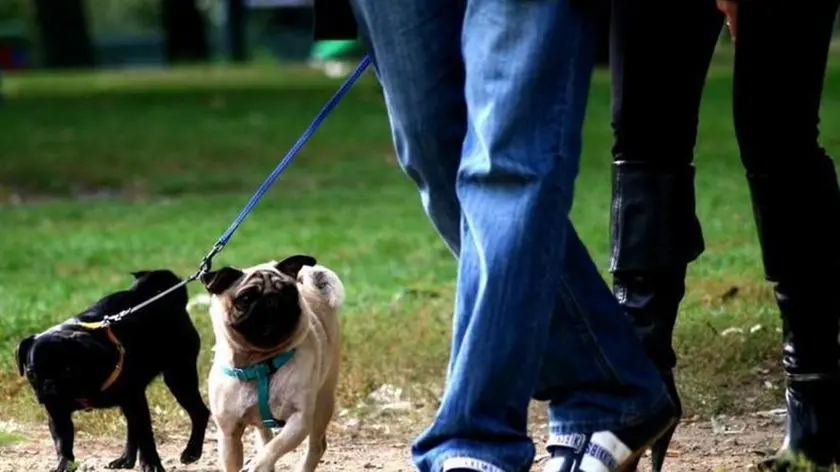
(115, 374)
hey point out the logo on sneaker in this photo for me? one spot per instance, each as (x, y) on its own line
(571, 441)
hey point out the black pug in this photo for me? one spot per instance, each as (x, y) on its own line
(82, 365)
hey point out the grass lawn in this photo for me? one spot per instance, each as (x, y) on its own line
(124, 171)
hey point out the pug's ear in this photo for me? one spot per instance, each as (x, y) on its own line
(218, 281)
(292, 264)
(22, 352)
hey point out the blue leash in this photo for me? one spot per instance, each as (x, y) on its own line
(207, 261)
(319, 118)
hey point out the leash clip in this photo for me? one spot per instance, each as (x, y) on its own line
(107, 320)
(207, 261)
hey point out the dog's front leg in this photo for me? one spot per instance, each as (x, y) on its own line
(231, 454)
(129, 455)
(61, 428)
(140, 429)
(291, 436)
(262, 436)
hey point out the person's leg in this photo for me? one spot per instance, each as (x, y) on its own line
(655, 233)
(481, 423)
(796, 201)
(415, 47)
(528, 66)
(416, 54)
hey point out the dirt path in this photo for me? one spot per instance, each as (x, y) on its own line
(729, 444)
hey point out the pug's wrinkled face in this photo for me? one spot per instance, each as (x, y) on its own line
(59, 365)
(262, 304)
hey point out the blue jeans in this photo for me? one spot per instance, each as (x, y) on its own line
(486, 100)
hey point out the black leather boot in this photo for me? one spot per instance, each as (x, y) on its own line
(797, 218)
(655, 235)
(812, 429)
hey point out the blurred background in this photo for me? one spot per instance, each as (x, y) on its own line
(44, 34)
(147, 33)
(137, 33)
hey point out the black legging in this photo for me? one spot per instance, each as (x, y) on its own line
(780, 63)
(660, 57)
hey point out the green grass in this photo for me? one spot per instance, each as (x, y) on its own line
(121, 171)
(7, 438)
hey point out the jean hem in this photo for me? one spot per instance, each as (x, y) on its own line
(627, 421)
(469, 461)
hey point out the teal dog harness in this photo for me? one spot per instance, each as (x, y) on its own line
(261, 372)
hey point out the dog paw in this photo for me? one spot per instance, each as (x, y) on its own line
(191, 454)
(152, 468)
(252, 465)
(65, 465)
(123, 462)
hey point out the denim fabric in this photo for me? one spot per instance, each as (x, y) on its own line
(486, 101)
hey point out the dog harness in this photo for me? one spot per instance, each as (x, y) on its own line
(261, 372)
(115, 374)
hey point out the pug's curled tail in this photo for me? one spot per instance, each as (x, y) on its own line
(325, 283)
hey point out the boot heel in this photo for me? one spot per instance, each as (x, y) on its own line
(659, 449)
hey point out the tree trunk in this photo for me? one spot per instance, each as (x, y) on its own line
(185, 31)
(236, 26)
(64, 34)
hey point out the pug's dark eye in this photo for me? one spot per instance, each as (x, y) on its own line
(244, 301)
